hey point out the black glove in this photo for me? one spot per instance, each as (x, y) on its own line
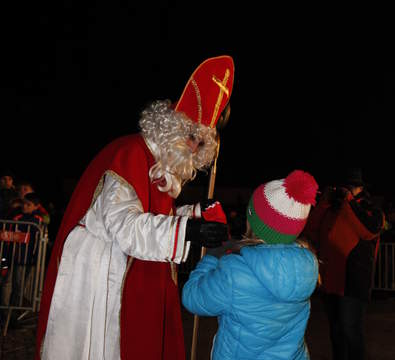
(209, 234)
(228, 247)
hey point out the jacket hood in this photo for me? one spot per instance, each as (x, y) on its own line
(288, 272)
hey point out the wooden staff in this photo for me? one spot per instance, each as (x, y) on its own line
(221, 123)
(210, 195)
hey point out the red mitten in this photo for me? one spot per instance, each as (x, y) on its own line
(214, 212)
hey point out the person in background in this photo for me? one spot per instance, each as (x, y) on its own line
(7, 192)
(30, 211)
(16, 204)
(261, 294)
(8, 200)
(236, 224)
(25, 254)
(26, 187)
(15, 207)
(111, 286)
(344, 228)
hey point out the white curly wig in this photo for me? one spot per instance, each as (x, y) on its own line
(167, 130)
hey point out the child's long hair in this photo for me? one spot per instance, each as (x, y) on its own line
(250, 239)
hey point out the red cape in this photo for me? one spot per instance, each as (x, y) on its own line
(129, 158)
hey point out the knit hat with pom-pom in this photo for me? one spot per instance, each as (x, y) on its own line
(277, 211)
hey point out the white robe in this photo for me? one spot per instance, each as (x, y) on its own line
(84, 315)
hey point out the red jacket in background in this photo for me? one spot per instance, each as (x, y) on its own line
(346, 238)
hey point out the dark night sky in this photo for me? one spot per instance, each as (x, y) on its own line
(310, 92)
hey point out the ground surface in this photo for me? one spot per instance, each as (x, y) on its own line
(380, 330)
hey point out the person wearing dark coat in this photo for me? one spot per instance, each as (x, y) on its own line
(7, 192)
(344, 228)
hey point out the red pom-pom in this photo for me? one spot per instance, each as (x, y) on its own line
(301, 186)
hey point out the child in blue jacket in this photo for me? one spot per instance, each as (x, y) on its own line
(262, 294)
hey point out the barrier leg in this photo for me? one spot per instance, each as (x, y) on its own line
(7, 322)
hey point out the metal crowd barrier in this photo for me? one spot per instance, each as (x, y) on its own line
(23, 247)
(384, 277)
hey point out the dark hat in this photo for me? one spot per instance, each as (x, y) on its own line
(354, 177)
(7, 172)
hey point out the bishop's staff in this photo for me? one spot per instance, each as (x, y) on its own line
(222, 121)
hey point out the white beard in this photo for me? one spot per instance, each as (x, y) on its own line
(173, 168)
(166, 132)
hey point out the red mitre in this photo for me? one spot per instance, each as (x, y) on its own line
(208, 91)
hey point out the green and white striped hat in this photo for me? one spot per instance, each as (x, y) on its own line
(277, 211)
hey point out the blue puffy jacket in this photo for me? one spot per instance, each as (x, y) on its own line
(261, 298)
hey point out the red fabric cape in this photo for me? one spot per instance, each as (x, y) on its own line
(130, 158)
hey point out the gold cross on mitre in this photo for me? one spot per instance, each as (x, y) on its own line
(223, 89)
